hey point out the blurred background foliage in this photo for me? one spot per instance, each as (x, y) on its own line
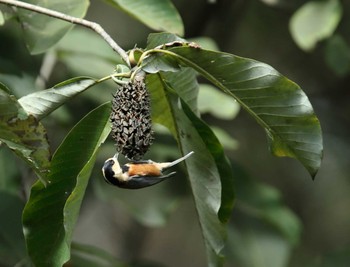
(281, 217)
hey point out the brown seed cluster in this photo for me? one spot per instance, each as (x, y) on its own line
(131, 120)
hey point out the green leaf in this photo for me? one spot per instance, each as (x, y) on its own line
(161, 112)
(264, 203)
(273, 2)
(96, 59)
(314, 22)
(339, 258)
(23, 134)
(41, 32)
(337, 55)
(186, 80)
(41, 103)
(205, 42)
(222, 163)
(20, 83)
(51, 212)
(227, 141)
(208, 99)
(91, 256)
(158, 63)
(212, 200)
(276, 103)
(2, 19)
(10, 182)
(265, 230)
(75, 43)
(160, 15)
(256, 245)
(158, 39)
(6, 14)
(205, 181)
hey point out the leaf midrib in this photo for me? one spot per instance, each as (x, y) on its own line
(217, 83)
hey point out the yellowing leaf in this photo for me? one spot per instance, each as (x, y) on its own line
(23, 134)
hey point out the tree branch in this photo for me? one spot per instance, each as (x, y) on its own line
(86, 23)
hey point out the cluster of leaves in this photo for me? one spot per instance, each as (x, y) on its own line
(315, 22)
(172, 64)
(322, 19)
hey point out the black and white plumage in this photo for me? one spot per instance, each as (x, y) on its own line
(138, 174)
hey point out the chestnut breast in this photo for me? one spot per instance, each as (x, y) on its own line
(144, 170)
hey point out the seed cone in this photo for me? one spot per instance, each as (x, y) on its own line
(131, 120)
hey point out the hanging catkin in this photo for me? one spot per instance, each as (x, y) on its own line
(131, 119)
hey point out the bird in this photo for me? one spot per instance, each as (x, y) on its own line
(137, 174)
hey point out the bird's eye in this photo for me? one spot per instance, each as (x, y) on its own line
(109, 161)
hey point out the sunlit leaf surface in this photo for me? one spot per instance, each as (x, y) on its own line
(42, 103)
(276, 103)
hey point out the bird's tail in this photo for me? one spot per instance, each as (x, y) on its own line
(170, 164)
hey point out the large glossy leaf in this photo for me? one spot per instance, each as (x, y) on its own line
(315, 21)
(51, 212)
(23, 134)
(205, 182)
(217, 152)
(160, 15)
(186, 83)
(41, 32)
(42, 103)
(188, 89)
(277, 104)
(203, 171)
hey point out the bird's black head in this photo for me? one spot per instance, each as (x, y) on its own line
(108, 170)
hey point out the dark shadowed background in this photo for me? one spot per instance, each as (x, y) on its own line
(158, 225)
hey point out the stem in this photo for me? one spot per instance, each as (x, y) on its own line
(46, 69)
(112, 76)
(86, 23)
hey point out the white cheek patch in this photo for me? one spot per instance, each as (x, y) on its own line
(124, 177)
(116, 169)
(118, 173)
